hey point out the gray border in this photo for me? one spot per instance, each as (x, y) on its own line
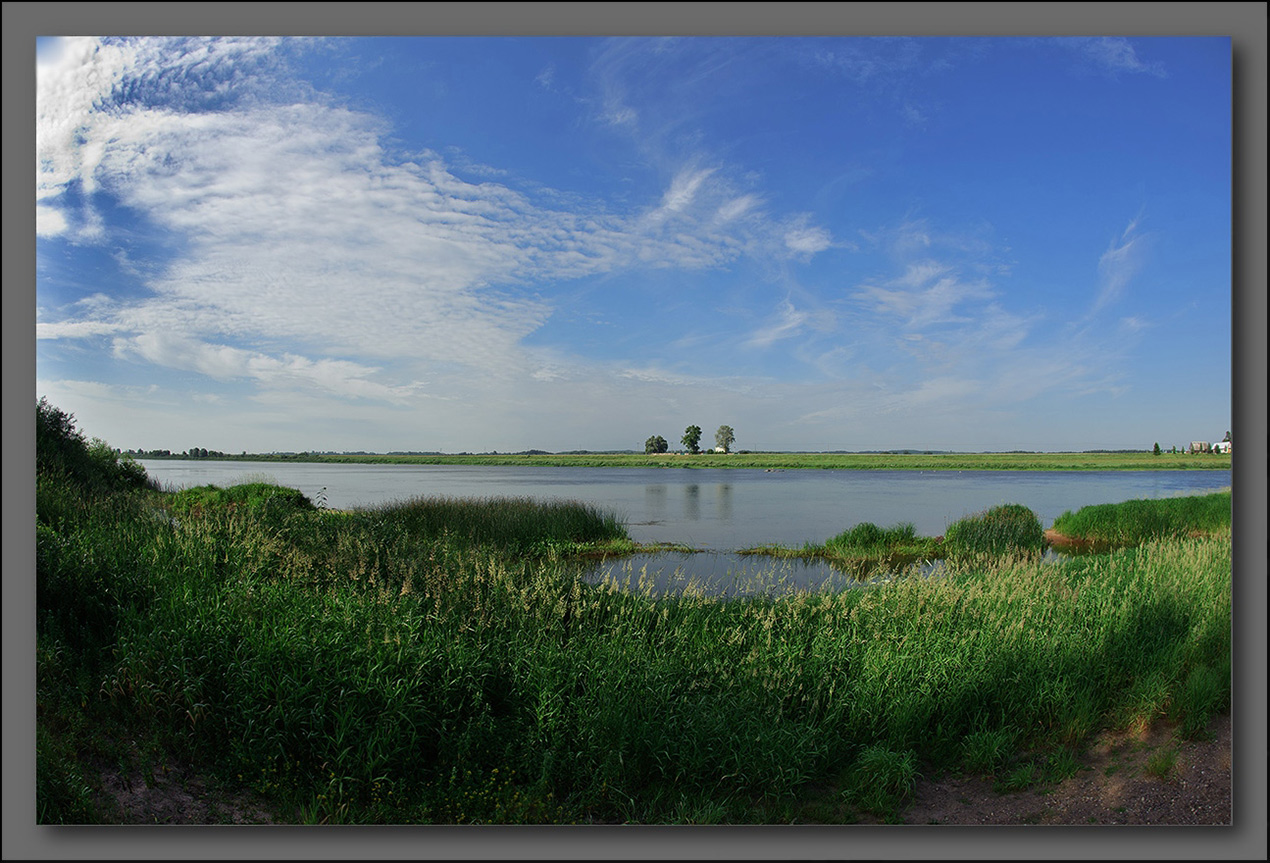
(1245, 22)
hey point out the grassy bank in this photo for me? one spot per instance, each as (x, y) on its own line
(1137, 521)
(807, 461)
(397, 665)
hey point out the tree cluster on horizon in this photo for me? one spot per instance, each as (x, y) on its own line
(724, 437)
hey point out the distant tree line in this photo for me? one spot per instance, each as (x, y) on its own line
(192, 452)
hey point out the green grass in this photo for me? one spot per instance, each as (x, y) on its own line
(1138, 521)
(1082, 461)
(864, 549)
(442, 661)
(1007, 529)
(1162, 762)
(253, 495)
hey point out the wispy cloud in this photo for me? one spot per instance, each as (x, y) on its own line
(225, 363)
(805, 239)
(787, 322)
(1112, 55)
(1119, 265)
(301, 228)
(926, 293)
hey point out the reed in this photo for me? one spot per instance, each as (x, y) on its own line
(1136, 521)
(1011, 528)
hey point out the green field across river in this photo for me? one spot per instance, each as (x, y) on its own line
(1080, 461)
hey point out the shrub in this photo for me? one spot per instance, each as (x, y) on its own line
(62, 451)
(1008, 528)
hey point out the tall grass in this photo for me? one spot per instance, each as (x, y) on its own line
(511, 524)
(357, 674)
(1137, 521)
(1011, 528)
(399, 666)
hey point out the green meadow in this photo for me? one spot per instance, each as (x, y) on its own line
(1082, 461)
(440, 661)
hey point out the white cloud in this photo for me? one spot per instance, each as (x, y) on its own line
(788, 322)
(1118, 265)
(683, 188)
(1113, 54)
(927, 293)
(301, 229)
(805, 240)
(227, 363)
(49, 221)
(74, 329)
(736, 207)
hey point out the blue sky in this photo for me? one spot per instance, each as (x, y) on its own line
(839, 243)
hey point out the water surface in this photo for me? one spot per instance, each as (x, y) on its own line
(718, 509)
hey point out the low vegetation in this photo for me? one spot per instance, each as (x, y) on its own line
(1077, 461)
(443, 662)
(865, 549)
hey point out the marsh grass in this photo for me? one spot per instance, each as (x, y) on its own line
(422, 663)
(865, 550)
(1137, 521)
(1011, 528)
(347, 657)
(515, 525)
(255, 494)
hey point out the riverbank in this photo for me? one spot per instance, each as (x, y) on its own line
(1040, 461)
(443, 662)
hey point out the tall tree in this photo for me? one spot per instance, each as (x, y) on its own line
(691, 439)
(724, 437)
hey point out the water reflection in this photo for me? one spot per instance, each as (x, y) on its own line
(723, 497)
(692, 502)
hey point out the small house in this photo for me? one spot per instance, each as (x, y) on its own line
(1222, 447)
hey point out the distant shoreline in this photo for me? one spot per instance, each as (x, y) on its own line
(1013, 461)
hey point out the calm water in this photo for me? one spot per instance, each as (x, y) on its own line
(718, 510)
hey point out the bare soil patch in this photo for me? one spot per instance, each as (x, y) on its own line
(1116, 785)
(175, 794)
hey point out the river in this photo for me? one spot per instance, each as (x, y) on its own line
(717, 511)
